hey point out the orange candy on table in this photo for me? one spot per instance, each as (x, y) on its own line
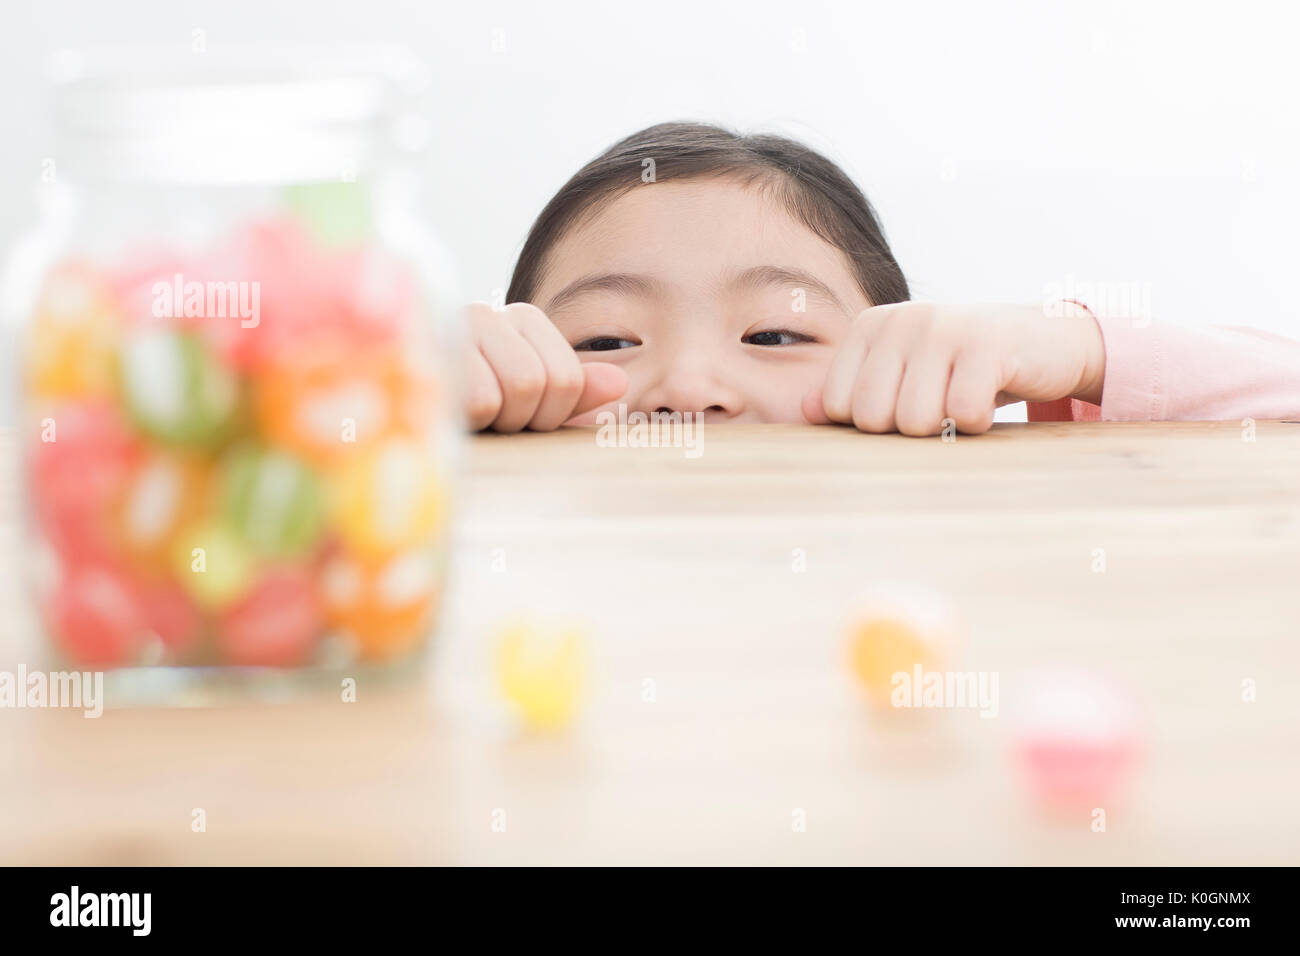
(896, 630)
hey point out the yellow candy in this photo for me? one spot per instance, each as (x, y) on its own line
(212, 564)
(70, 351)
(542, 673)
(389, 499)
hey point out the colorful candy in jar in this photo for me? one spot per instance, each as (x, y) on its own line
(175, 389)
(272, 501)
(385, 606)
(542, 671)
(70, 348)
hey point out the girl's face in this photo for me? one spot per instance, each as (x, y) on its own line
(710, 296)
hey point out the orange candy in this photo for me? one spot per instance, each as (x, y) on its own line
(70, 351)
(163, 493)
(896, 630)
(385, 605)
(329, 404)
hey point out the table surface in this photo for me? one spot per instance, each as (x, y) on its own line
(726, 580)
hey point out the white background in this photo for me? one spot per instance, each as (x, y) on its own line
(1007, 146)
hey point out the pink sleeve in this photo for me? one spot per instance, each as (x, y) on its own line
(1160, 372)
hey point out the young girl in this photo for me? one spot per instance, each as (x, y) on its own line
(690, 269)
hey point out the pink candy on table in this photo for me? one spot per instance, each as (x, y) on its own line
(1077, 737)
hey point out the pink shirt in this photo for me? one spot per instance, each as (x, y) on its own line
(1158, 372)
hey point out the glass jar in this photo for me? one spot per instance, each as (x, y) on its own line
(237, 423)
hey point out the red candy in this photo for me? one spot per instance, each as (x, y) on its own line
(75, 479)
(171, 615)
(307, 297)
(97, 618)
(275, 625)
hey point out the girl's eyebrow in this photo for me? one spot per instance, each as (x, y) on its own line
(633, 284)
(760, 277)
(622, 283)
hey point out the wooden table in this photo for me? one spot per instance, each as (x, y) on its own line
(684, 572)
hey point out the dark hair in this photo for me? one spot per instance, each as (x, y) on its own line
(814, 189)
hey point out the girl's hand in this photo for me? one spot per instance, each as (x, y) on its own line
(907, 367)
(524, 374)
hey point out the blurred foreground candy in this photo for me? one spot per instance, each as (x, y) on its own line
(162, 493)
(174, 387)
(330, 404)
(79, 462)
(212, 563)
(1076, 737)
(272, 501)
(386, 606)
(388, 500)
(96, 617)
(336, 213)
(170, 616)
(275, 625)
(896, 629)
(231, 452)
(542, 673)
(71, 343)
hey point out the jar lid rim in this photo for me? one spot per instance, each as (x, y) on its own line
(133, 88)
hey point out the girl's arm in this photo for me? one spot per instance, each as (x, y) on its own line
(1161, 372)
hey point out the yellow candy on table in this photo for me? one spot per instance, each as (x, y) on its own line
(542, 673)
(897, 631)
(389, 499)
(72, 341)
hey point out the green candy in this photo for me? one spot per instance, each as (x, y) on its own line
(272, 501)
(174, 388)
(335, 213)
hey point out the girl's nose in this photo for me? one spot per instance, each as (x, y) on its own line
(686, 391)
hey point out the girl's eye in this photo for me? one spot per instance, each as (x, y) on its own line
(604, 344)
(776, 337)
